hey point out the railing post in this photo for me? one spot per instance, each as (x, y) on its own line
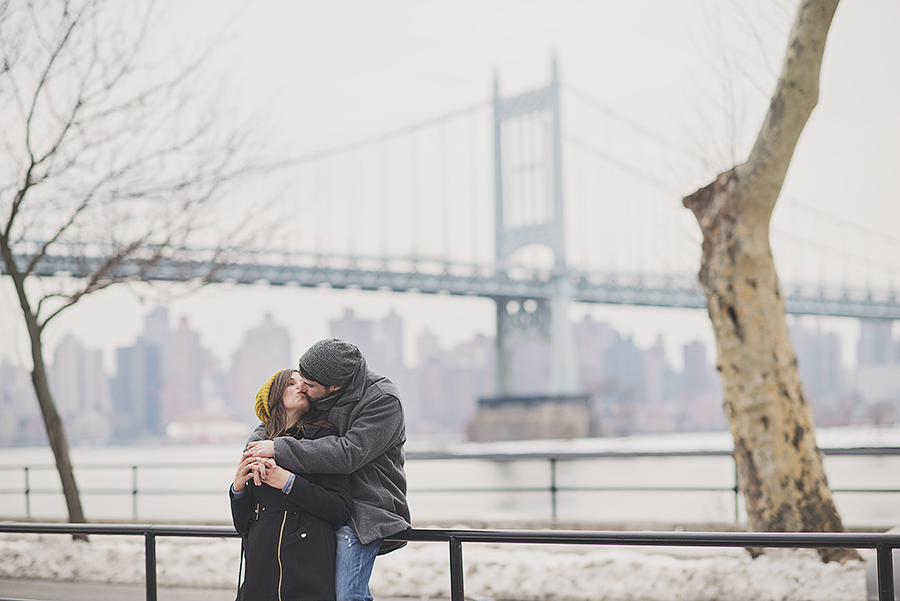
(27, 495)
(737, 492)
(885, 564)
(553, 487)
(457, 588)
(150, 564)
(134, 491)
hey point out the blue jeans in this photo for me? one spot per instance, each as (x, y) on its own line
(353, 565)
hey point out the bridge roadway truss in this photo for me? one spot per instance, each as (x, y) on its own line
(494, 282)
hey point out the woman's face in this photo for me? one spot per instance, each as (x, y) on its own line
(295, 403)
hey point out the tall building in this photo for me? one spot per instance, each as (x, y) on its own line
(388, 333)
(422, 397)
(81, 391)
(592, 339)
(156, 326)
(184, 364)
(20, 416)
(379, 340)
(445, 385)
(625, 371)
(658, 374)
(137, 391)
(661, 413)
(266, 349)
(700, 400)
(65, 376)
(878, 372)
(822, 374)
(381, 343)
(819, 359)
(875, 341)
(696, 379)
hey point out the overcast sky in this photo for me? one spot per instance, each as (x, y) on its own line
(699, 73)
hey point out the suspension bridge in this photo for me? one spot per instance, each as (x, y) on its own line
(441, 207)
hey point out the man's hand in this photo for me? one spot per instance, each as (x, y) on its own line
(261, 448)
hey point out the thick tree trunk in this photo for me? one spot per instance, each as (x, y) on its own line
(55, 433)
(780, 467)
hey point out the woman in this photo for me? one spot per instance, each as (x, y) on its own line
(287, 520)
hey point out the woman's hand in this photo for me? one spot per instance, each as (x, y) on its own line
(271, 473)
(245, 471)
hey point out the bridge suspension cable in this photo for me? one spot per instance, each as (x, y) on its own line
(830, 250)
(837, 247)
(628, 121)
(640, 174)
(648, 219)
(381, 138)
(843, 222)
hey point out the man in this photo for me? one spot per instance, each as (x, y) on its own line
(365, 408)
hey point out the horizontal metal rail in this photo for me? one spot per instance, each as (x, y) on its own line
(884, 544)
(552, 487)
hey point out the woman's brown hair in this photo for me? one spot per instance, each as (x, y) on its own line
(278, 418)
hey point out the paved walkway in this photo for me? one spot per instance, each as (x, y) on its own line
(15, 589)
(51, 590)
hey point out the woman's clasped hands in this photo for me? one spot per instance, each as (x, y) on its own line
(262, 470)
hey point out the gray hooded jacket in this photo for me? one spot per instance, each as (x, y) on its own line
(371, 428)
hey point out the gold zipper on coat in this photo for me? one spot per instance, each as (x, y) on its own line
(280, 569)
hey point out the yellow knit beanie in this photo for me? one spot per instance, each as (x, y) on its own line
(262, 399)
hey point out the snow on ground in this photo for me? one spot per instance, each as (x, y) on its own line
(511, 572)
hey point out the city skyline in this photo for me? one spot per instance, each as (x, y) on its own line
(167, 375)
(167, 384)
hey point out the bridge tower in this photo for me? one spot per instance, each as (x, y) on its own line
(529, 210)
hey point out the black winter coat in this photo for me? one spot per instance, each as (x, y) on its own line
(289, 541)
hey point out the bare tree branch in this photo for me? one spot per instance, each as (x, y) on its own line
(795, 97)
(114, 156)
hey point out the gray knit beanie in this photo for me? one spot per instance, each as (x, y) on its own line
(330, 362)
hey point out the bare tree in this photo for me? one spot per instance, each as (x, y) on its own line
(111, 156)
(779, 463)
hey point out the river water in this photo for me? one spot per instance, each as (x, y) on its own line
(189, 482)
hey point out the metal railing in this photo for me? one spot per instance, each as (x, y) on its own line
(552, 488)
(884, 544)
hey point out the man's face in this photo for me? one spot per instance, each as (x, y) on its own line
(313, 391)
